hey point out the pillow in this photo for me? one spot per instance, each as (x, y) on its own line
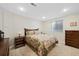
(37, 32)
(30, 32)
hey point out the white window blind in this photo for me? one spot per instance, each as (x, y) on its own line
(57, 26)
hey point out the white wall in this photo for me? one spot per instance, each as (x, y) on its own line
(68, 20)
(13, 24)
(16, 24)
(1, 20)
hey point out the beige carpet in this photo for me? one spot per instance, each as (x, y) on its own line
(59, 50)
(22, 51)
(63, 50)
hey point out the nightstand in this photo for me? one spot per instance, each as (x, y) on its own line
(19, 41)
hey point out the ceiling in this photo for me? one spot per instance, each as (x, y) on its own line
(42, 11)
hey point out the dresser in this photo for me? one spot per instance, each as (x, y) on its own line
(19, 41)
(4, 47)
(72, 38)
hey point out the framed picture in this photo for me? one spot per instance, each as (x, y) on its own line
(73, 23)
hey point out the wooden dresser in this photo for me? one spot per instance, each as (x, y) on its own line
(19, 41)
(4, 47)
(72, 38)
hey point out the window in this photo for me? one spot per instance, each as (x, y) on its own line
(57, 26)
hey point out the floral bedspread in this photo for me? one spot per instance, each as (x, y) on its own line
(41, 43)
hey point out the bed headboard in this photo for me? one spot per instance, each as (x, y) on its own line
(25, 30)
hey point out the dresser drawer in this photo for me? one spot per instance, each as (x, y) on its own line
(19, 42)
(71, 39)
(16, 40)
(72, 44)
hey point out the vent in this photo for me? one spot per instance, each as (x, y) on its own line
(33, 4)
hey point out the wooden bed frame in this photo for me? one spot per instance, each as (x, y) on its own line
(34, 49)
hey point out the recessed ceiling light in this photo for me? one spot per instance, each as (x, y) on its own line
(43, 17)
(65, 10)
(21, 8)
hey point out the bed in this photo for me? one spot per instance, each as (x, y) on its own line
(39, 42)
